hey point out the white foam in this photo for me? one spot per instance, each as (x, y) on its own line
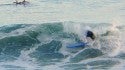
(52, 67)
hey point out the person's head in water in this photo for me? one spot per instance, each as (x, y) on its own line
(90, 34)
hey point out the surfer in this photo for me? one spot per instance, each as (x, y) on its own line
(90, 37)
(21, 3)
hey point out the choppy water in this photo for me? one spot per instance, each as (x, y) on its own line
(43, 47)
(35, 36)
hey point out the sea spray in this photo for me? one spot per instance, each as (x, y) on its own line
(40, 46)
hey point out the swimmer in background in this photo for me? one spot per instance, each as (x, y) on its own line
(21, 3)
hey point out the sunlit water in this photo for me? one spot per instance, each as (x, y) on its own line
(40, 11)
(35, 36)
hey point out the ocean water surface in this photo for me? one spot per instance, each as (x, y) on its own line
(34, 36)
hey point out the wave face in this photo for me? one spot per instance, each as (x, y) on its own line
(43, 46)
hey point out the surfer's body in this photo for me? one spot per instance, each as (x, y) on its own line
(90, 37)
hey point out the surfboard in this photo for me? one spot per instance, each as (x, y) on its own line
(77, 45)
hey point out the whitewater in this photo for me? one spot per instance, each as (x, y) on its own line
(35, 36)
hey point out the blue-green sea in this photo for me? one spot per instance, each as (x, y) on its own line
(35, 36)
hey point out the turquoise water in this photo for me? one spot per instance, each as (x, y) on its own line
(43, 47)
(35, 36)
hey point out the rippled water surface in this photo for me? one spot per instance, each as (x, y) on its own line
(35, 36)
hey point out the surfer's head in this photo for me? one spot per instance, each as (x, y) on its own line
(90, 34)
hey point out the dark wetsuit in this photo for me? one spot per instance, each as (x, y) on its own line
(90, 34)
